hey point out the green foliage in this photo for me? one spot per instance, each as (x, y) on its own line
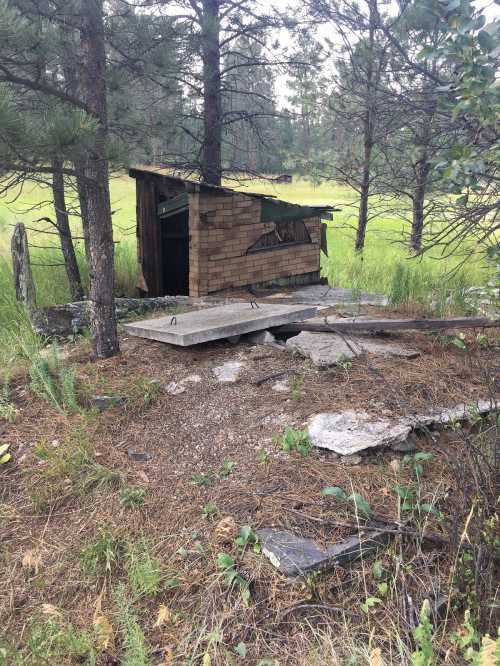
(132, 497)
(51, 641)
(361, 505)
(248, 538)
(227, 468)
(423, 634)
(143, 569)
(233, 579)
(209, 510)
(147, 390)
(102, 555)
(135, 649)
(410, 496)
(203, 479)
(8, 411)
(54, 382)
(296, 440)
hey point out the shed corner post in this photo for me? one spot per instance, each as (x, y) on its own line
(198, 258)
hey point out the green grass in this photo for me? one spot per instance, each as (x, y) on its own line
(385, 265)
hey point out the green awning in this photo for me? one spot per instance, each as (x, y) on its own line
(281, 211)
(173, 206)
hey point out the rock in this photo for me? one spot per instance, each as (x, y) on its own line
(176, 388)
(281, 386)
(351, 460)
(103, 402)
(228, 372)
(139, 456)
(294, 555)
(327, 349)
(459, 413)
(349, 432)
(262, 338)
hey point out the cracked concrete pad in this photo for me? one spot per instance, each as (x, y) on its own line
(228, 372)
(294, 555)
(327, 349)
(348, 432)
(460, 412)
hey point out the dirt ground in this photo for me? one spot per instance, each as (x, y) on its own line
(189, 437)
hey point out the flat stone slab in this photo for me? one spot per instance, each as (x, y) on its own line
(327, 349)
(348, 432)
(217, 323)
(351, 431)
(320, 294)
(295, 555)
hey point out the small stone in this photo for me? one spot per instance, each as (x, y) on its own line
(352, 459)
(175, 388)
(103, 402)
(228, 372)
(281, 386)
(139, 456)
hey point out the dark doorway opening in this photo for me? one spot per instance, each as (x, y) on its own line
(175, 253)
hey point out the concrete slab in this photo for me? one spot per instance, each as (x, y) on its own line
(327, 349)
(217, 323)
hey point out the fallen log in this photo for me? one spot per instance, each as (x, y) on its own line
(349, 325)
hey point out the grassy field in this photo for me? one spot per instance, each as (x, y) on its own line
(429, 283)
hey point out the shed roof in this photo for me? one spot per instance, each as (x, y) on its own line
(171, 175)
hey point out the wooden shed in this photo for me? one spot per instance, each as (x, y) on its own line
(196, 239)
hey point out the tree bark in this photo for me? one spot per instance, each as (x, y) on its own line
(95, 173)
(65, 237)
(417, 226)
(23, 278)
(211, 165)
(84, 208)
(368, 128)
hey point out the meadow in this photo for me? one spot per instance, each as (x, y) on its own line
(429, 283)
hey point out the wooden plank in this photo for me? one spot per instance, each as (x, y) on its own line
(351, 325)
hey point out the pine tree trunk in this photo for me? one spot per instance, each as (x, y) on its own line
(21, 268)
(368, 132)
(422, 170)
(100, 231)
(211, 166)
(84, 208)
(64, 230)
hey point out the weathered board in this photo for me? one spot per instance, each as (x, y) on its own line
(351, 325)
(218, 323)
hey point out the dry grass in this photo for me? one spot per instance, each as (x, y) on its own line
(317, 620)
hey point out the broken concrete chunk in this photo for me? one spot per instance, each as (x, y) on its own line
(294, 556)
(349, 432)
(103, 402)
(176, 388)
(228, 372)
(460, 412)
(327, 349)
